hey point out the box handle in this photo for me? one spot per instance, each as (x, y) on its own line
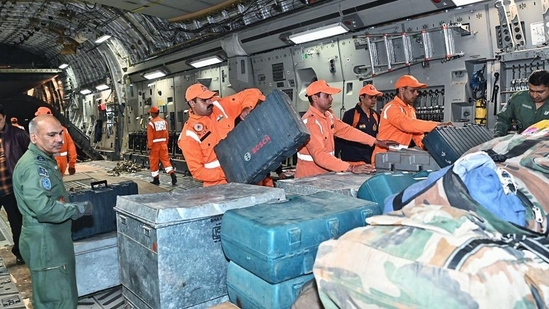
(146, 230)
(333, 227)
(123, 219)
(96, 184)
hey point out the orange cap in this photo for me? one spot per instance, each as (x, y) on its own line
(43, 111)
(198, 91)
(321, 86)
(370, 90)
(154, 110)
(13, 120)
(409, 81)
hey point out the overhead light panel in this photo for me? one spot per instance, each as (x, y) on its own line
(318, 33)
(154, 74)
(63, 66)
(102, 87)
(85, 91)
(465, 2)
(206, 62)
(102, 38)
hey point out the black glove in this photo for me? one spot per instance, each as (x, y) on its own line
(72, 170)
(82, 209)
(495, 156)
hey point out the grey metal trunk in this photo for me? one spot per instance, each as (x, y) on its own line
(170, 246)
(342, 183)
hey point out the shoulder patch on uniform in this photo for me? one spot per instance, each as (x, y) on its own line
(198, 127)
(45, 182)
(40, 158)
(43, 172)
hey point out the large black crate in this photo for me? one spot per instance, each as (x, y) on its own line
(447, 144)
(103, 198)
(272, 132)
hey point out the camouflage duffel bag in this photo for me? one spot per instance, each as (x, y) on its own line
(429, 256)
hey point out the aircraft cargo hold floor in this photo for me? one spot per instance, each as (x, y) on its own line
(87, 172)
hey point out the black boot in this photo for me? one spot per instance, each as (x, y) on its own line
(156, 181)
(174, 178)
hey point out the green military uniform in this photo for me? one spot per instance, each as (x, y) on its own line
(522, 108)
(46, 242)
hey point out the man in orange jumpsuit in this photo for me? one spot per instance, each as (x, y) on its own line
(157, 141)
(317, 156)
(211, 118)
(68, 149)
(14, 122)
(398, 118)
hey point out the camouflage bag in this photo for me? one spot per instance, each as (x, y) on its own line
(429, 256)
(526, 158)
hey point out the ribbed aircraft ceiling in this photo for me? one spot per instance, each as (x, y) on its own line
(65, 31)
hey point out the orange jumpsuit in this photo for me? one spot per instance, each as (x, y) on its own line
(398, 123)
(157, 141)
(317, 156)
(68, 149)
(202, 133)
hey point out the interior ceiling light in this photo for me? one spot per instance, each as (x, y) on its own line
(154, 74)
(465, 2)
(206, 62)
(85, 91)
(102, 38)
(318, 33)
(63, 66)
(102, 87)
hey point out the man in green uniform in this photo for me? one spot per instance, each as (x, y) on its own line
(526, 107)
(46, 242)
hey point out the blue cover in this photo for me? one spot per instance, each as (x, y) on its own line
(249, 291)
(279, 241)
(103, 198)
(381, 186)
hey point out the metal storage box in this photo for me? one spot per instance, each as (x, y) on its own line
(278, 241)
(381, 186)
(342, 183)
(447, 144)
(103, 198)
(249, 291)
(413, 160)
(272, 132)
(96, 263)
(169, 243)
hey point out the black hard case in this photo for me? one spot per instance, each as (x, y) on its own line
(103, 197)
(272, 132)
(447, 144)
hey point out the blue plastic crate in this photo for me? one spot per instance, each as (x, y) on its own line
(277, 242)
(381, 186)
(248, 291)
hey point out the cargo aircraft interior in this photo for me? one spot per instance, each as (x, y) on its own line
(102, 66)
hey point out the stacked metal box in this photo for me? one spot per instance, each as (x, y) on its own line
(170, 245)
(97, 266)
(342, 183)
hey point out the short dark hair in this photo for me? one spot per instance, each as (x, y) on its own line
(539, 78)
(310, 97)
(2, 110)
